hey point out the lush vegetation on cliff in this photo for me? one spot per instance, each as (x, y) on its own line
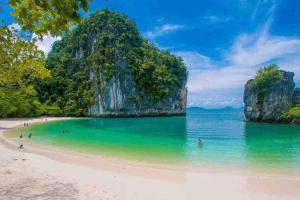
(292, 113)
(107, 43)
(264, 78)
(21, 64)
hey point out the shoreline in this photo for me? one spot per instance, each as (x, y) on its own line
(142, 180)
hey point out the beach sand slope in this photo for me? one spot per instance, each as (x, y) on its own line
(28, 175)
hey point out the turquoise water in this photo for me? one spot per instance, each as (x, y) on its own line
(228, 140)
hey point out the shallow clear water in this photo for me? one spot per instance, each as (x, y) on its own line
(228, 140)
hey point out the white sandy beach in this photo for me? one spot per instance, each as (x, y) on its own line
(41, 173)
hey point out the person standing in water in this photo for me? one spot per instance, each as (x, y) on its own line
(30, 134)
(200, 143)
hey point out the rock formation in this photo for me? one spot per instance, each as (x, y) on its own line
(109, 69)
(296, 97)
(117, 100)
(268, 104)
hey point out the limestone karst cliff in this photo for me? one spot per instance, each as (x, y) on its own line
(296, 97)
(268, 99)
(104, 67)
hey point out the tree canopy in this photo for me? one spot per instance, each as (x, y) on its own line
(21, 63)
(48, 16)
(267, 75)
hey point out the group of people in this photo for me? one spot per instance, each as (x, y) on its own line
(29, 135)
(26, 124)
(21, 136)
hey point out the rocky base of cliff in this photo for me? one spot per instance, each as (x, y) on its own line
(140, 114)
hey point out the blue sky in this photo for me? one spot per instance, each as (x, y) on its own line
(223, 43)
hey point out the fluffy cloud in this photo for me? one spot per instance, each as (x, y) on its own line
(261, 48)
(213, 85)
(46, 43)
(162, 30)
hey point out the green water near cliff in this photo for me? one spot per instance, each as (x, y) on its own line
(228, 140)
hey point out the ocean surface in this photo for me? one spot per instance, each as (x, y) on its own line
(228, 141)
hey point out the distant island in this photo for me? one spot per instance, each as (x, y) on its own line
(226, 108)
(272, 97)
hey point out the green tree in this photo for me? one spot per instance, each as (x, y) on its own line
(292, 113)
(21, 63)
(48, 16)
(267, 75)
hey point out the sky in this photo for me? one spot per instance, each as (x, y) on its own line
(222, 42)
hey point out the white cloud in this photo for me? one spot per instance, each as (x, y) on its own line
(162, 30)
(46, 43)
(194, 60)
(261, 48)
(212, 86)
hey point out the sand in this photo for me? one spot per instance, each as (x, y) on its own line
(37, 172)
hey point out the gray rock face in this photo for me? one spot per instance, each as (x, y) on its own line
(296, 97)
(278, 98)
(119, 99)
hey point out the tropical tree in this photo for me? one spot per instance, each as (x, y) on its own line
(48, 16)
(21, 63)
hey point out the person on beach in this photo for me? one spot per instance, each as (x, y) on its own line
(21, 146)
(30, 134)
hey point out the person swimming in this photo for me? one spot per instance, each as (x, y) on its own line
(30, 134)
(200, 142)
(21, 136)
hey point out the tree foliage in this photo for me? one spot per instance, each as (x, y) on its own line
(48, 16)
(106, 45)
(292, 113)
(21, 63)
(266, 76)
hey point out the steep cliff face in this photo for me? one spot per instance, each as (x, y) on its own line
(119, 99)
(111, 70)
(269, 103)
(296, 97)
